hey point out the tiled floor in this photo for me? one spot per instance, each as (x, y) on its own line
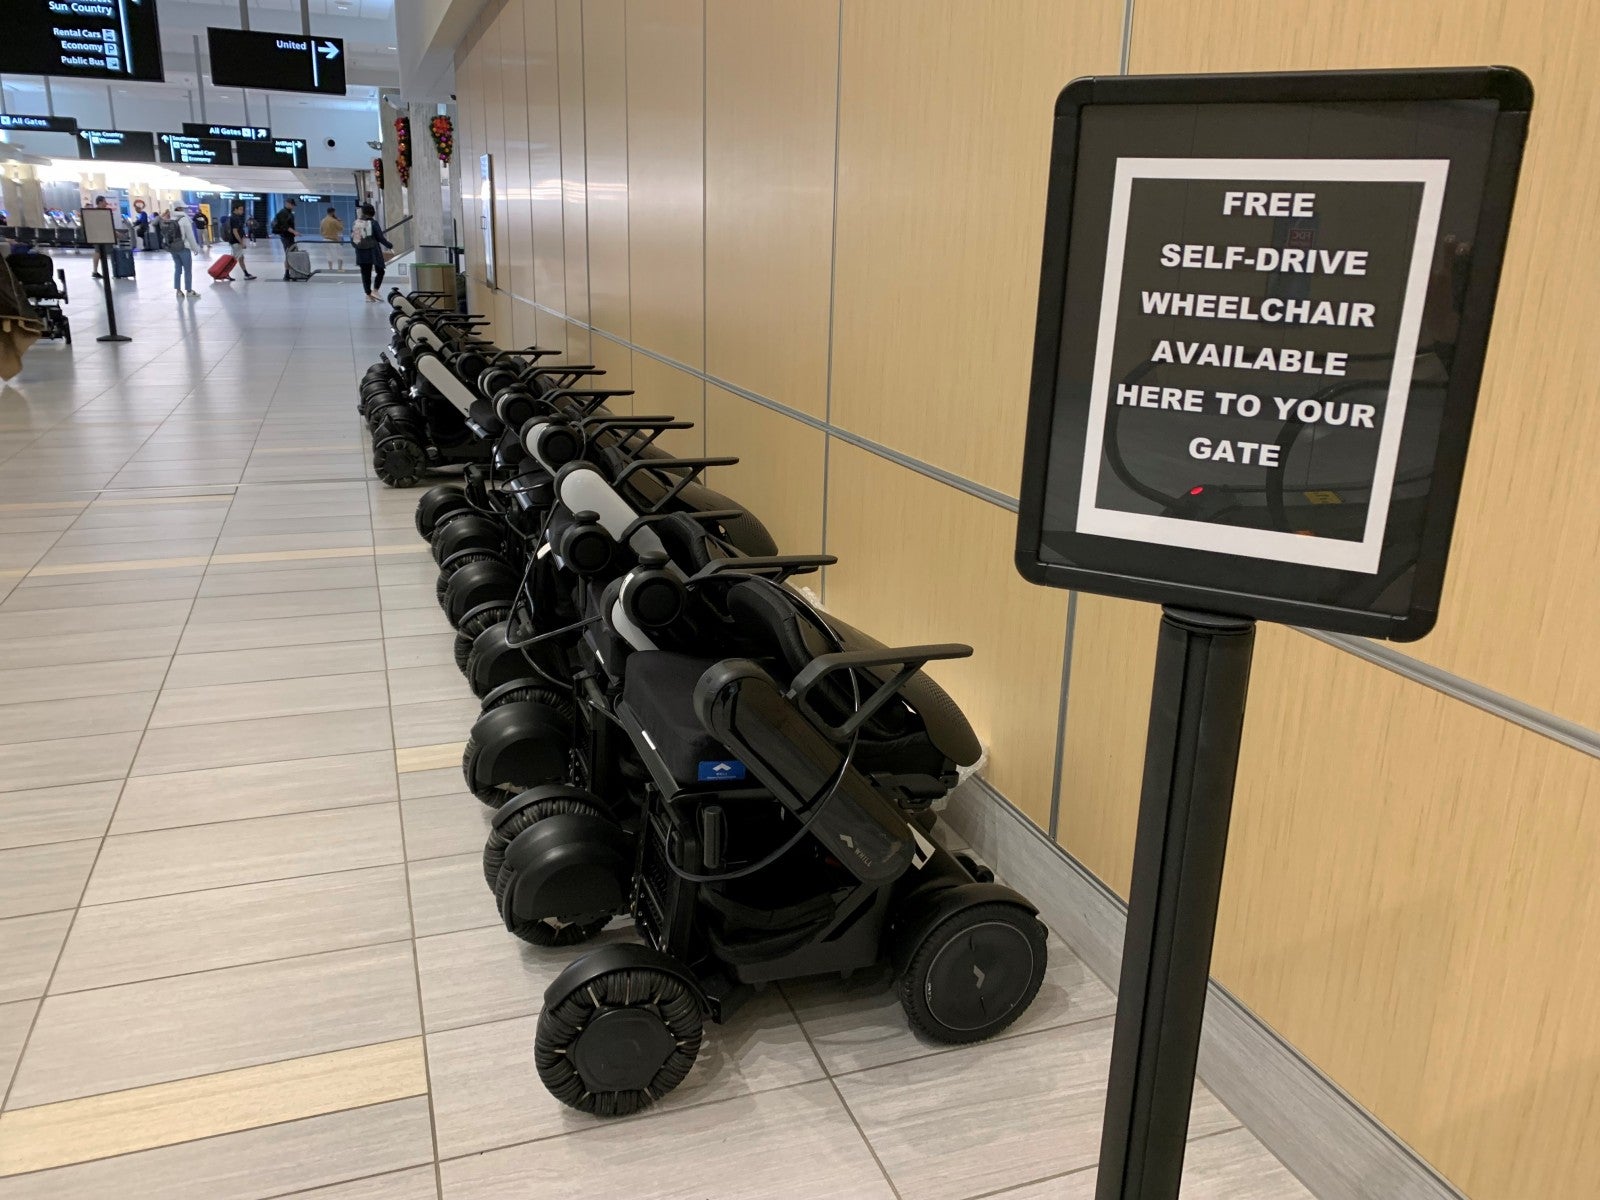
(245, 948)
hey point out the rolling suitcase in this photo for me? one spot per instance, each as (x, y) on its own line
(122, 262)
(222, 268)
(297, 263)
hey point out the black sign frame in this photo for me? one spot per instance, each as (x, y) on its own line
(249, 58)
(1133, 571)
(45, 124)
(25, 48)
(222, 148)
(143, 136)
(265, 154)
(231, 132)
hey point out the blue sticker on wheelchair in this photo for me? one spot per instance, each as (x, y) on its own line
(711, 772)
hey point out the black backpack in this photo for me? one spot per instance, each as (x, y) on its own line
(171, 236)
(281, 222)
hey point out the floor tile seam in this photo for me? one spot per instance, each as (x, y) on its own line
(254, 720)
(211, 1137)
(395, 862)
(231, 887)
(254, 962)
(315, 711)
(1002, 1039)
(411, 908)
(839, 1095)
(33, 1024)
(600, 1125)
(58, 699)
(416, 1166)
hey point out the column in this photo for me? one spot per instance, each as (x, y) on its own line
(427, 203)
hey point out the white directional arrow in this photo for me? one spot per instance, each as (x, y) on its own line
(328, 51)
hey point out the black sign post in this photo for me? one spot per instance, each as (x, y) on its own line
(279, 152)
(198, 151)
(231, 133)
(1264, 308)
(38, 123)
(117, 145)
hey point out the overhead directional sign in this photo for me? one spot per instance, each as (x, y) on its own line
(281, 62)
(232, 133)
(38, 124)
(117, 145)
(82, 39)
(279, 152)
(199, 151)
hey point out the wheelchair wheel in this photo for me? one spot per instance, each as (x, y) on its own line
(613, 1042)
(469, 532)
(435, 503)
(541, 931)
(474, 623)
(452, 565)
(518, 746)
(974, 973)
(399, 461)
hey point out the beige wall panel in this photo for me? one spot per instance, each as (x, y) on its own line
(944, 141)
(617, 363)
(499, 62)
(771, 75)
(1102, 758)
(579, 344)
(1408, 897)
(544, 133)
(550, 332)
(1517, 611)
(666, 173)
(574, 180)
(525, 319)
(1410, 901)
(780, 476)
(662, 389)
(922, 562)
(605, 89)
(469, 132)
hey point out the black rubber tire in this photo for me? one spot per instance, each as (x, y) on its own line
(532, 691)
(494, 850)
(443, 582)
(494, 796)
(562, 1022)
(469, 629)
(1009, 930)
(399, 461)
(433, 504)
(470, 532)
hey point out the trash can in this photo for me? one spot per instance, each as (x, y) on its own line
(436, 277)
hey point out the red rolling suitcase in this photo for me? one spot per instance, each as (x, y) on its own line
(222, 268)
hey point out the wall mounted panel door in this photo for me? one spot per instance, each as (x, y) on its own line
(574, 177)
(666, 174)
(771, 78)
(544, 137)
(779, 476)
(605, 89)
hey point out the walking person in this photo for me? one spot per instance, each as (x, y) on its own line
(177, 238)
(100, 255)
(367, 237)
(333, 234)
(234, 234)
(283, 229)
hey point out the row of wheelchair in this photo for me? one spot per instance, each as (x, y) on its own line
(673, 733)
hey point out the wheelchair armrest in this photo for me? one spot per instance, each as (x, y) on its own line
(651, 518)
(778, 567)
(908, 659)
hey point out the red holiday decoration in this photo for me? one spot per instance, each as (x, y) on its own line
(444, 137)
(377, 170)
(402, 154)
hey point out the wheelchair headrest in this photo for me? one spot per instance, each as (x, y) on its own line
(445, 381)
(581, 486)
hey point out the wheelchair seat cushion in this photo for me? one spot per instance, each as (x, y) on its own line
(659, 692)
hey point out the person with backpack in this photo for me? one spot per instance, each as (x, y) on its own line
(367, 237)
(176, 230)
(283, 229)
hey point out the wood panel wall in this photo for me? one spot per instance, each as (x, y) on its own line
(835, 206)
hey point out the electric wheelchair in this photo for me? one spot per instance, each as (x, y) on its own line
(752, 781)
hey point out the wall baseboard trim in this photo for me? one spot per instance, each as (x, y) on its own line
(1330, 1143)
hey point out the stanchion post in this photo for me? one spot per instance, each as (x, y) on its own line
(111, 334)
(1196, 717)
